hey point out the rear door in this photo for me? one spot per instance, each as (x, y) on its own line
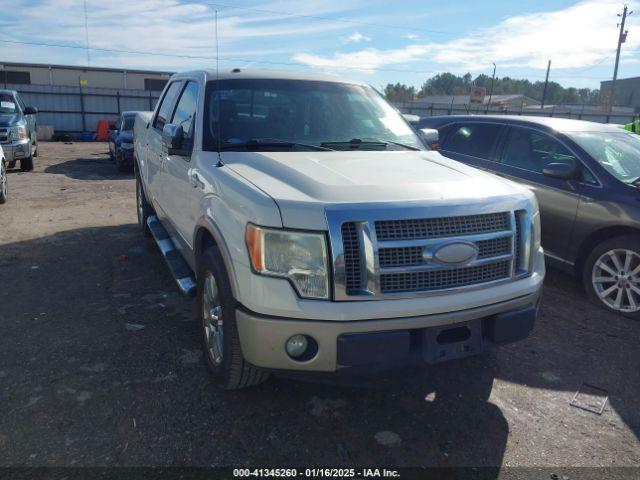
(155, 155)
(474, 143)
(524, 154)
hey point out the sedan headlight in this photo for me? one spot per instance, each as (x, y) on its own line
(17, 133)
(301, 257)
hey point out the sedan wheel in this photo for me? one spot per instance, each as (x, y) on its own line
(212, 319)
(615, 278)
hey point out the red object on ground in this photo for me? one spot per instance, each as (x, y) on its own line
(102, 129)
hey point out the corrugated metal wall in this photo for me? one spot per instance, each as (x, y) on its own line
(75, 109)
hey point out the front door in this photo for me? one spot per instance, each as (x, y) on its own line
(180, 184)
(525, 153)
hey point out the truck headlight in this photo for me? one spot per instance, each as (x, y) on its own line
(17, 133)
(301, 257)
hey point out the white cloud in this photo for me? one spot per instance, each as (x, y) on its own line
(578, 36)
(357, 37)
(411, 36)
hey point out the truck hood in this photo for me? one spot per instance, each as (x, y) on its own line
(304, 184)
(10, 119)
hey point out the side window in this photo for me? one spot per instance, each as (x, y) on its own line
(186, 109)
(164, 111)
(474, 139)
(532, 150)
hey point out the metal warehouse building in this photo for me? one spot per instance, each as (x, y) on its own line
(71, 76)
(627, 92)
(72, 99)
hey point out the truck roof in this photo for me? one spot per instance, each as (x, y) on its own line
(241, 73)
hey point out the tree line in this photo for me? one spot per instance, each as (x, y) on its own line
(451, 84)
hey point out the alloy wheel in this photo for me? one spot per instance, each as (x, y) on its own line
(616, 280)
(212, 319)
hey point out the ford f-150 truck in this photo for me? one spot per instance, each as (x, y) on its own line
(319, 234)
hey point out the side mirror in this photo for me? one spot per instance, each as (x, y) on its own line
(430, 137)
(173, 141)
(30, 110)
(563, 171)
(412, 119)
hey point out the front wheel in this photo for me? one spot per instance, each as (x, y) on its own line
(217, 310)
(611, 275)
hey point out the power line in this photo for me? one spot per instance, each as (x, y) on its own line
(334, 19)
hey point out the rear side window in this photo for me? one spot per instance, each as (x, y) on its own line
(532, 150)
(474, 139)
(186, 109)
(164, 111)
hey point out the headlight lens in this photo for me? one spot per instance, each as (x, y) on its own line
(18, 133)
(300, 257)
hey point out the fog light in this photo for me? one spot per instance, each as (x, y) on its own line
(297, 345)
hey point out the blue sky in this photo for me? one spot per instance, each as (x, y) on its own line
(375, 41)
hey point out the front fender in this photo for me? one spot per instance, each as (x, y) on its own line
(206, 225)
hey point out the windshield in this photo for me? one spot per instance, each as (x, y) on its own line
(128, 122)
(303, 113)
(7, 104)
(618, 153)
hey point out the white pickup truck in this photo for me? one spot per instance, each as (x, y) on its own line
(319, 233)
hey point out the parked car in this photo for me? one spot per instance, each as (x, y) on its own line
(4, 190)
(18, 130)
(586, 177)
(319, 234)
(121, 141)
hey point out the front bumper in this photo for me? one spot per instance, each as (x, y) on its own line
(385, 342)
(16, 150)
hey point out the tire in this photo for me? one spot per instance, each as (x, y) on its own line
(222, 355)
(608, 260)
(26, 164)
(35, 144)
(143, 207)
(12, 164)
(3, 182)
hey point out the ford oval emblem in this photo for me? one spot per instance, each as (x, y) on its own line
(456, 253)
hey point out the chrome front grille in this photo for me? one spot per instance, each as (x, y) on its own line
(441, 227)
(396, 257)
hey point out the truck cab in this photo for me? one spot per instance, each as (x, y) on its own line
(318, 233)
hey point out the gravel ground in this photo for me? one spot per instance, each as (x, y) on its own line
(100, 362)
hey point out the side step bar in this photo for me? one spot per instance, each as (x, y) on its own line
(177, 265)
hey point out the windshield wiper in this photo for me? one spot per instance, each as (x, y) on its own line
(355, 143)
(255, 143)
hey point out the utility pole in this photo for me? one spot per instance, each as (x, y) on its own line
(622, 37)
(493, 77)
(546, 82)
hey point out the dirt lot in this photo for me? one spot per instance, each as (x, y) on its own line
(100, 362)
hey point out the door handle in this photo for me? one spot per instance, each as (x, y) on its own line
(196, 182)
